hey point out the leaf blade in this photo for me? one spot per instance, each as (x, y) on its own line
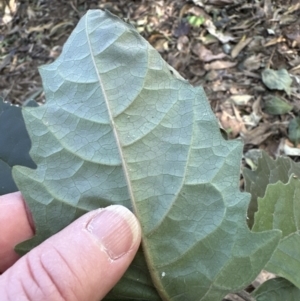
(171, 154)
(277, 289)
(279, 209)
(268, 171)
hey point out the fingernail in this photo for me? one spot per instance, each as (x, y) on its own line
(116, 228)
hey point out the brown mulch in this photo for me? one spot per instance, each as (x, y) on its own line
(226, 53)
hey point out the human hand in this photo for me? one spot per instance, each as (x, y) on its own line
(81, 262)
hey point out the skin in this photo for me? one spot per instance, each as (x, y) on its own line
(82, 262)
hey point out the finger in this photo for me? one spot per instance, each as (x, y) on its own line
(14, 227)
(82, 262)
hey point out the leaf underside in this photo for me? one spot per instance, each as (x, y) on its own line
(121, 126)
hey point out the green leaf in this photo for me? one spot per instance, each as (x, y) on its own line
(122, 126)
(277, 80)
(279, 209)
(276, 106)
(196, 21)
(136, 284)
(294, 130)
(277, 289)
(14, 145)
(269, 171)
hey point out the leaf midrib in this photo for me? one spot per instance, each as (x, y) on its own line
(123, 162)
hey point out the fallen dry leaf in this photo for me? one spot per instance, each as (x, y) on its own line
(159, 42)
(219, 35)
(254, 62)
(258, 135)
(40, 28)
(268, 8)
(231, 120)
(241, 100)
(240, 46)
(217, 65)
(205, 54)
(183, 44)
(255, 117)
(275, 41)
(290, 150)
(220, 2)
(10, 10)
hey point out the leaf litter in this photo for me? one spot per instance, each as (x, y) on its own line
(228, 47)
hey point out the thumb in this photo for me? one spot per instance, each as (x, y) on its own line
(82, 262)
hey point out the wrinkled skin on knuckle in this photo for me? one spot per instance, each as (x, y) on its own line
(42, 281)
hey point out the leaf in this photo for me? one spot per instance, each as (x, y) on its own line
(277, 289)
(294, 130)
(14, 145)
(244, 41)
(211, 28)
(195, 21)
(136, 284)
(277, 80)
(269, 171)
(205, 54)
(279, 209)
(288, 150)
(276, 106)
(241, 100)
(121, 126)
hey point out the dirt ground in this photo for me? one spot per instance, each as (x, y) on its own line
(223, 45)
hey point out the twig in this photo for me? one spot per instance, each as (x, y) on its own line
(245, 296)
